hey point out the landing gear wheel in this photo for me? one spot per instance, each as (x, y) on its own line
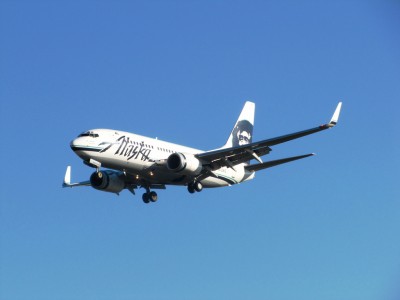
(195, 187)
(153, 196)
(145, 198)
(191, 188)
(198, 187)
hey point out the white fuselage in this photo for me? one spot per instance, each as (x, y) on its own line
(144, 157)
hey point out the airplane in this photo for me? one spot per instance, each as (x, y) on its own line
(133, 161)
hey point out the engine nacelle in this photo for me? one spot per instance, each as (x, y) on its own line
(107, 181)
(184, 164)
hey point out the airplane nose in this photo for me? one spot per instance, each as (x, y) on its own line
(78, 145)
(73, 145)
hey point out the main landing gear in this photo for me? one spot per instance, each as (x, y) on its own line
(195, 187)
(149, 196)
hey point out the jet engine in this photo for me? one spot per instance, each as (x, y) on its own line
(108, 181)
(185, 164)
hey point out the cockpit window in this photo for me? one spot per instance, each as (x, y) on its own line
(89, 133)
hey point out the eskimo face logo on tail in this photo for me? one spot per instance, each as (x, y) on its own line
(242, 133)
(129, 149)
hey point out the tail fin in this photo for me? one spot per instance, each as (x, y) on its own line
(242, 132)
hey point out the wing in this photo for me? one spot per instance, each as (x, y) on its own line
(130, 183)
(230, 157)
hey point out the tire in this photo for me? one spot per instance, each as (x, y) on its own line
(198, 187)
(145, 198)
(191, 188)
(153, 196)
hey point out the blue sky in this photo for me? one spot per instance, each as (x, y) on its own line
(326, 227)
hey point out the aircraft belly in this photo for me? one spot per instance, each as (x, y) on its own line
(211, 182)
(162, 176)
(112, 162)
(224, 177)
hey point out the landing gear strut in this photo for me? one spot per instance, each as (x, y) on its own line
(195, 187)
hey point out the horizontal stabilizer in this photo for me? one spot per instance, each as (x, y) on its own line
(273, 163)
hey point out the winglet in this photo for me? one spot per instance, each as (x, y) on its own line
(335, 116)
(67, 177)
(67, 180)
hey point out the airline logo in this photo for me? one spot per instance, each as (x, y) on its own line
(130, 149)
(242, 133)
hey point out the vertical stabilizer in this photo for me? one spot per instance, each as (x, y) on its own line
(242, 132)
